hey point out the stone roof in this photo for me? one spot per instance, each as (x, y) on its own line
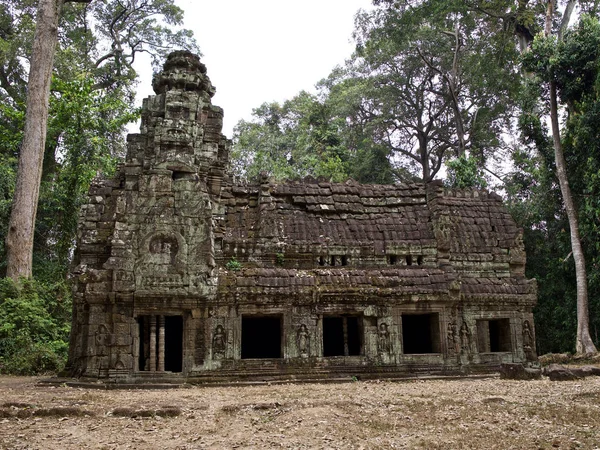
(465, 237)
(324, 213)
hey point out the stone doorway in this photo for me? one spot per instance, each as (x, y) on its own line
(421, 333)
(261, 337)
(494, 336)
(341, 336)
(161, 343)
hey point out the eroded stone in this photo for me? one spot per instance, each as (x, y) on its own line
(183, 273)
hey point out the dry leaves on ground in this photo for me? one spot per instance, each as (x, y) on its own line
(435, 414)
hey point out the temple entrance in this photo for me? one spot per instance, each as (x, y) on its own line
(494, 336)
(173, 343)
(420, 333)
(261, 337)
(161, 343)
(341, 336)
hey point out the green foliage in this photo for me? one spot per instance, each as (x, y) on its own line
(439, 89)
(536, 202)
(465, 172)
(297, 139)
(8, 173)
(233, 264)
(279, 259)
(34, 326)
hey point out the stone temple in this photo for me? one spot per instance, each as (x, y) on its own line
(182, 274)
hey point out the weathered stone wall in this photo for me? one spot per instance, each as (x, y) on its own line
(145, 239)
(182, 274)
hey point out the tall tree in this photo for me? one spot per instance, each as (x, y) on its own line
(19, 240)
(546, 50)
(433, 97)
(303, 137)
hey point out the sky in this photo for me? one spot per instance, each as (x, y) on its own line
(260, 51)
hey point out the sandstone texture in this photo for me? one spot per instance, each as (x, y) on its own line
(185, 275)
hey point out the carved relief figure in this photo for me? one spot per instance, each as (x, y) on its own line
(528, 345)
(102, 340)
(442, 233)
(465, 338)
(452, 338)
(219, 342)
(303, 340)
(384, 344)
(165, 248)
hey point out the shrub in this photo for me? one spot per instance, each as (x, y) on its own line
(34, 326)
(233, 264)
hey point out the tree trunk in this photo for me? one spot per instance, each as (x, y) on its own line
(583, 342)
(454, 96)
(19, 239)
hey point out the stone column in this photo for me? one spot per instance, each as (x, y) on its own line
(161, 343)
(152, 366)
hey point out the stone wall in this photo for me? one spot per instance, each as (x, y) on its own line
(181, 274)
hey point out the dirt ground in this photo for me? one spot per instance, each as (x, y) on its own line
(446, 414)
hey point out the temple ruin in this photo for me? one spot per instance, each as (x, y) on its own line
(182, 274)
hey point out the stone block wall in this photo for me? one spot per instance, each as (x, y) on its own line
(182, 274)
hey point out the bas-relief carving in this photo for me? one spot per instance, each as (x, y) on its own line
(442, 229)
(102, 340)
(162, 261)
(384, 342)
(303, 341)
(528, 342)
(465, 339)
(219, 342)
(517, 250)
(453, 338)
(164, 249)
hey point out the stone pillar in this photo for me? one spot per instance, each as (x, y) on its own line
(161, 343)
(152, 366)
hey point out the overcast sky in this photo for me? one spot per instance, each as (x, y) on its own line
(258, 51)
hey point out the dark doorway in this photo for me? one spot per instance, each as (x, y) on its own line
(494, 335)
(173, 343)
(341, 336)
(144, 350)
(261, 337)
(150, 345)
(420, 333)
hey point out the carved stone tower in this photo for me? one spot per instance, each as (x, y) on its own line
(145, 258)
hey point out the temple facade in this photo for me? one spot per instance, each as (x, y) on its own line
(182, 274)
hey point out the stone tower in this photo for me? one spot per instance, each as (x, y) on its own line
(146, 256)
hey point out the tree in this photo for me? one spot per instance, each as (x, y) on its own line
(547, 50)
(438, 90)
(297, 139)
(90, 99)
(19, 240)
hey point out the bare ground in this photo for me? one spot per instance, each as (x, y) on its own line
(436, 414)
